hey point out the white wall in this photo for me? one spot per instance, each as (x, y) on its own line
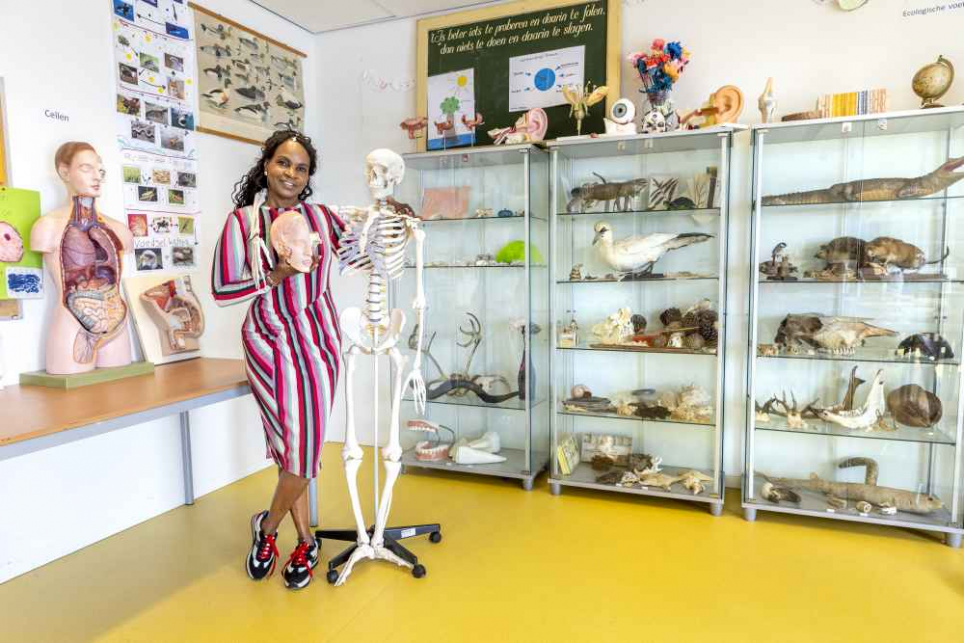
(807, 48)
(66, 498)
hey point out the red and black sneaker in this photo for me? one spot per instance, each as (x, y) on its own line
(263, 556)
(298, 571)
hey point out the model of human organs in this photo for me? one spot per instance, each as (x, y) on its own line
(176, 311)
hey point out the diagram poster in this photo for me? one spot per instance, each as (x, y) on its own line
(451, 105)
(21, 269)
(536, 80)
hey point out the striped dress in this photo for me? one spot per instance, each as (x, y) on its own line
(291, 339)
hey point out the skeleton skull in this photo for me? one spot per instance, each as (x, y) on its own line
(293, 240)
(384, 170)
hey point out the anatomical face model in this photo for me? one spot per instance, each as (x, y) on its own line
(294, 241)
(83, 252)
(375, 245)
(175, 309)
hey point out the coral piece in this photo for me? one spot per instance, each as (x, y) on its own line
(616, 328)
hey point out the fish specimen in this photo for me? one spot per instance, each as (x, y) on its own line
(580, 100)
(637, 254)
(693, 481)
(889, 255)
(767, 103)
(255, 110)
(220, 31)
(218, 71)
(288, 101)
(11, 243)
(883, 497)
(928, 345)
(251, 93)
(867, 416)
(877, 189)
(914, 406)
(414, 126)
(838, 335)
(217, 97)
(618, 197)
(777, 494)
(217, 51)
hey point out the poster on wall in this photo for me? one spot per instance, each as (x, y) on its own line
(21, 269)
(451, 107)
(249, 84)
(156, 130)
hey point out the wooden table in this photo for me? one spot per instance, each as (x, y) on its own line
(36, 418)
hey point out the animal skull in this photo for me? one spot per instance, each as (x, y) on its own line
(384, 169)
(654, 122)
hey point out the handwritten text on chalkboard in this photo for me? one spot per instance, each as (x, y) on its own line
(573, 22)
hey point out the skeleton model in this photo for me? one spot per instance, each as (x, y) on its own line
(375, 245)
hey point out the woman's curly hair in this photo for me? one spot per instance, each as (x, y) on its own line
(255, 180)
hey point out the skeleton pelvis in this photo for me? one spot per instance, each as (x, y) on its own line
(101, 314)
(372, 337)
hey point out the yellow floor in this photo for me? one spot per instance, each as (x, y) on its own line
(513, 566)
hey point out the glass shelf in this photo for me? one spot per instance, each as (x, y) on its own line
(487, 266)
(470, 400)
(514, 217)
(642, 144)
(615, 416)
(585, 476)
(515, 465)
(672, 213)
(463, 158)
(627, 280)
(643, 349)
(938, 120)
(871, 355)
(828, 429)
(906, 279)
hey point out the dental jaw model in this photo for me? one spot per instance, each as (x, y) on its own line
(294, 241)
(375, 245)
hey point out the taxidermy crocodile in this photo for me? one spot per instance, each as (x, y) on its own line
(877, 189)
(868, 491)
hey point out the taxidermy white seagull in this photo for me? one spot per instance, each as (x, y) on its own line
(637, 254)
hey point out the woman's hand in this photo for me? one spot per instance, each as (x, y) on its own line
(282, 270)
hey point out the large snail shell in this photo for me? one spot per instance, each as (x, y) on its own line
(913, 406)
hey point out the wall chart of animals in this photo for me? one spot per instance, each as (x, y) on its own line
(250, 85)
(156, 130)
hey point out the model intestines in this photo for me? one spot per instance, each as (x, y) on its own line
(176, 311)
(11, 243)
(91, 261)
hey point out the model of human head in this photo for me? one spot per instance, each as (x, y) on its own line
(384, 169)
(79, 166)
(293, 240)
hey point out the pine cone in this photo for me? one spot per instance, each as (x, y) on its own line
(694, 341)
(639, 323)
(690, 320)
(670, 315)
(711, 337)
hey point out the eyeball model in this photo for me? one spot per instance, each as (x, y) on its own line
(621, 118)
(623, 111)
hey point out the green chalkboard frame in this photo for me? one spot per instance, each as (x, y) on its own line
(558, 126)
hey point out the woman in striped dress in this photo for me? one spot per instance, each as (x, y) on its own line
(291, 339)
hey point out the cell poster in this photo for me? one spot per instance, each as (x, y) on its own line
(21, 269)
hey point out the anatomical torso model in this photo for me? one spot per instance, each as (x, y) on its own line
(375, 245)
(83, 252)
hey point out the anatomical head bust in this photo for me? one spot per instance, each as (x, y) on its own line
(384, 169)
(80, 168)
(294, 241)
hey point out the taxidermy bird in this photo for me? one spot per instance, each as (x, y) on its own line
(217, 97)
(637, 254)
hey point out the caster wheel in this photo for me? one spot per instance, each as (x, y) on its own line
(331, 576)
(418, 571)
(435, 537)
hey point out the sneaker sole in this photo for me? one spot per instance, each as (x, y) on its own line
(302, 585)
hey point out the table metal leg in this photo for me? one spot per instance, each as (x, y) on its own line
(313, 501)
(186, 457)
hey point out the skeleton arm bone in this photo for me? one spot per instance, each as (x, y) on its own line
(415, 378)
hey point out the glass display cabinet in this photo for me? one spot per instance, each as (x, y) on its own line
(486, 344)
(854, 379)
(638, 296)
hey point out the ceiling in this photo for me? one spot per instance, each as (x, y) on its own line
(317, 16)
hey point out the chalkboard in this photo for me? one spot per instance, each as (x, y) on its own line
(511, 57)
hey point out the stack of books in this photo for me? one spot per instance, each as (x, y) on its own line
(869, 101)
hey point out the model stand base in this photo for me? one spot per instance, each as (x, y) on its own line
(392, 537)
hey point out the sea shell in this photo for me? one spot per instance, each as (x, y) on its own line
(580, 390)
(693, 396)
(576, 273)
(864, 507)
(913, 406)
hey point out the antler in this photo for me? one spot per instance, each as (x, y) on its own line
(474, 339)
(426, 350)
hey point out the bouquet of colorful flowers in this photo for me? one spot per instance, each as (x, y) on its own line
(660, 67)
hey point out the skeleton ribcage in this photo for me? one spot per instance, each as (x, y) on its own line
(383, 257)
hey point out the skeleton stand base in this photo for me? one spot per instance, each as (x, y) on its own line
(392, 536)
